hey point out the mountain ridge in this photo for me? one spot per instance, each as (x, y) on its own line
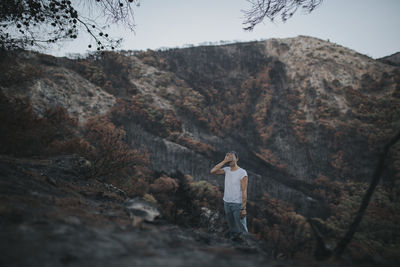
(307, 108)
(393, 59)
(308, 119)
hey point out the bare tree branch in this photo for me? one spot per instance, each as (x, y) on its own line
(261, 9)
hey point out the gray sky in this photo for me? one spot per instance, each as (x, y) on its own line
(371, 27)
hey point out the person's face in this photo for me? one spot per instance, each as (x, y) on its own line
(233, 158)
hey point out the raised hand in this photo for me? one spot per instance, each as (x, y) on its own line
(228, 157)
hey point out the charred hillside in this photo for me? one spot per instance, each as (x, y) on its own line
(299, 108)
(295, 109)
(308, 118)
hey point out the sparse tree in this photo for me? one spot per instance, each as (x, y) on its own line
(261, 9)
(40, 23)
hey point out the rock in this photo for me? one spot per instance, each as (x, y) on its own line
(141, 210)
(115, 189)
(211, 219)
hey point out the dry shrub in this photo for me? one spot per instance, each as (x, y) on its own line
(132, 184)
(192, 144)
(206, 195)
(110, 155)
(24, 134)
(164, 190)
(184, 201)
(287, 232)
(164, 185)
(199, 204)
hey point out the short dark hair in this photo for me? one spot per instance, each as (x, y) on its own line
(234, 152)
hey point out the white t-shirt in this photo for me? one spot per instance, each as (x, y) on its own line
(232, 190)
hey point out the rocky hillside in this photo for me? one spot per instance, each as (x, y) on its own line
(300, 112)
(392, 59)
(295, 109)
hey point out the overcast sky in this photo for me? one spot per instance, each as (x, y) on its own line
(371, 27)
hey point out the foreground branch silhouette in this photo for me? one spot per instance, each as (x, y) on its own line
(341, 246)
(261, 9)
(322, 252)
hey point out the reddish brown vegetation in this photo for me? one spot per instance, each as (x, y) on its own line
(109, 153)
(191, 144)
(181, 200)
(377, 233)
(267, 156)
(153, 119)
(24, 134)
(338, 161)
(110, 71)
(288, 232)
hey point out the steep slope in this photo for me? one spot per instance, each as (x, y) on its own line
(308, 119)
(295, 109)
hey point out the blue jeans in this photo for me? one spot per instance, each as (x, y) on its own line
(236, 225)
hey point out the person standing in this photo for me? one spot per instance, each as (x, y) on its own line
(235, 194)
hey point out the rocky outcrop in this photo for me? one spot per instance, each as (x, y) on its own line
(141, 210)
(55, 85)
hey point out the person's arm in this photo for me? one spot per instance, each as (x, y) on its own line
(243, 187)
(217, 168)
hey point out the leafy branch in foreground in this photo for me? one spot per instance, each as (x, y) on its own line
(39, 23)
